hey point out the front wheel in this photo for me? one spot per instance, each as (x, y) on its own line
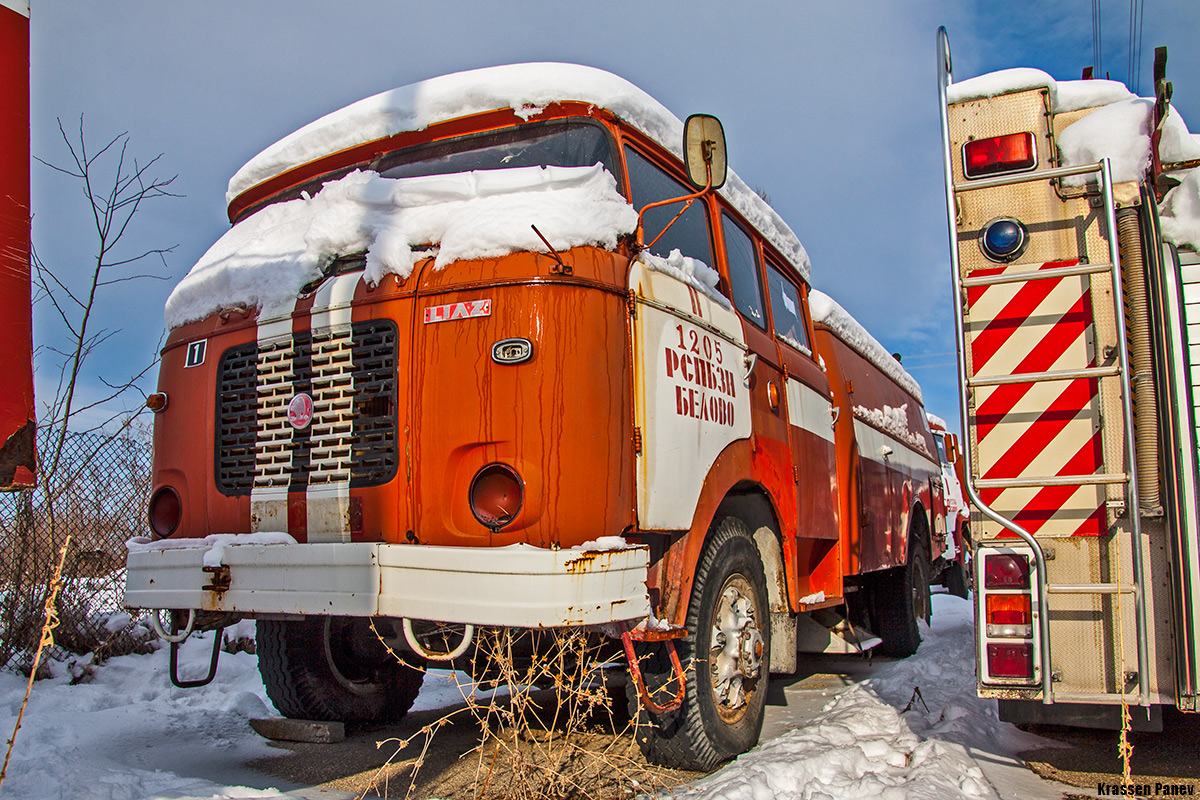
(728, 645)
(335, 669)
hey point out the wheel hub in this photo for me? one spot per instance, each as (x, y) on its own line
(737, 646)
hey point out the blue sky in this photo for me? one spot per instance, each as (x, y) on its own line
(829, 108)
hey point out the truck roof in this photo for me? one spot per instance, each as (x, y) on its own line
(826, 311)
(525, 88)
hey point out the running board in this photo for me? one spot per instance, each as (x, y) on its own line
(826, 631)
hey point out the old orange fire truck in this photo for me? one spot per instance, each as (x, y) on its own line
(1074, 216)
(512, 347)
(17, 425)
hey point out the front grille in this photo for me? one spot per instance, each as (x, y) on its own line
(350, 374)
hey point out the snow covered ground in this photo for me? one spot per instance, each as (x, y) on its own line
(127, 734)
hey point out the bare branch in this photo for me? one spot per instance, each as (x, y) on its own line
(115, 185)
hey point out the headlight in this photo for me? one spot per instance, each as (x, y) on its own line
(496, 495)
(166, 510)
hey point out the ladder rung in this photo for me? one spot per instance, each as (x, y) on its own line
(1036, 275)
(1040, 377)
(1091, 588)
(1092, 479)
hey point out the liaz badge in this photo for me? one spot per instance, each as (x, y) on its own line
(471, 308)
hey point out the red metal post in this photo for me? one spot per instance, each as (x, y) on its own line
(17, 426)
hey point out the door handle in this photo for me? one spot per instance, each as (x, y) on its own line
(748, 361)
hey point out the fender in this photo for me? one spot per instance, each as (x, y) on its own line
(769, 460)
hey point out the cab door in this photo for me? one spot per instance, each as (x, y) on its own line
(809, 410)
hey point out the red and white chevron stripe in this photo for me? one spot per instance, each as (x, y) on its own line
(1037, 430)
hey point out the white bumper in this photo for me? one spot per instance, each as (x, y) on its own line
(520, 586)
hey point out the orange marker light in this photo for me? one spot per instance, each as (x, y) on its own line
(1008, 609)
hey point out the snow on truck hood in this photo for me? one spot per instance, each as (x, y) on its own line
(525, 88)
(265, 259)
(1119, 130)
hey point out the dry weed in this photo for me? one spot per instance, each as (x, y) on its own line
(550, 710)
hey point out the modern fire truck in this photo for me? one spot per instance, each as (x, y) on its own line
(17, 426)
(1073, 225)
(512, 348)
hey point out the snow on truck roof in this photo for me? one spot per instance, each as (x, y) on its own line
(264, 259)
(1119, 129)
(826, 311)
(525, 88)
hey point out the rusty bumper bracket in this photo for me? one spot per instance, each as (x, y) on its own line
(642, 634)
(219, 579)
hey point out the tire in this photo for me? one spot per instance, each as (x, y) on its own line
(718, 719)
(901, 598)
(956, 580)
(334, 669)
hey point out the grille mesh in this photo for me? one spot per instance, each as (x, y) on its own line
(350, 373)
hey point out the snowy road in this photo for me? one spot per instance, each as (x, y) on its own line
(834, 732)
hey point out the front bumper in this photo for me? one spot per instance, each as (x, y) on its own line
(518, 586)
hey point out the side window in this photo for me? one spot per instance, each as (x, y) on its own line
(743, 272)
(689, 235)
(786, 310)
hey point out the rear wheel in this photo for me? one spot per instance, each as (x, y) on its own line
(902, 598)
(728, 646)
(956, 580)
(334, 668)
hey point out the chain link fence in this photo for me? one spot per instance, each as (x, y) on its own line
(96, 496)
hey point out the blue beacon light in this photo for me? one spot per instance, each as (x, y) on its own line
(1003, 239)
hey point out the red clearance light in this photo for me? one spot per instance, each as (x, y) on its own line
(1005, 571)
(1012, 153)
(1010, 660)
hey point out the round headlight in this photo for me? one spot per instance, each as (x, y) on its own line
(1003, 239)
(166, 510)
(496, 495)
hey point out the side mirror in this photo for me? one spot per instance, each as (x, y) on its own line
(704, 151)
(952, 451)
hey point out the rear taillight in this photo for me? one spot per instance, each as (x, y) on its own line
(1010, 660)
(1009, 611)
(166, 510)
(1005, 571)
(1015, 152)
(496, 495)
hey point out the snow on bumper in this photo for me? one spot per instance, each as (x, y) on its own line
(520, 586)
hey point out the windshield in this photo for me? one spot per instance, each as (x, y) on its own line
(554, 144)
(570, 144)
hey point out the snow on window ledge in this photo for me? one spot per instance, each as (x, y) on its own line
(894, 422)
(692, 271)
